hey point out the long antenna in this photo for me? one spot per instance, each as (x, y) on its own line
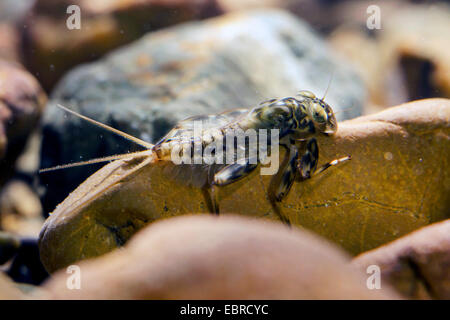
(328, 86)
(98, 160)
(106, 127)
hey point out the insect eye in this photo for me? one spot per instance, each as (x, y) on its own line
(319, 114)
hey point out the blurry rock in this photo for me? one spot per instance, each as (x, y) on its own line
(407, 59)
(364, 53)
(9, 42)
(198, 68)
(21, 104)
(354, 13)
(397, 181)
(9, 245)
(8, 290)
(417, 265)
(29, 160)
(20, 209)
(319, 14)
(51, 49)
(18, 198)
(325, 15)
(19, 258)
(219, 258)
(416, 53)
(13, 10)
(26, 266)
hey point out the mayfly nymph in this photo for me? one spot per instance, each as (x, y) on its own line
(297, 120)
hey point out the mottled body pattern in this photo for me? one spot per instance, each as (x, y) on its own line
(298, 120)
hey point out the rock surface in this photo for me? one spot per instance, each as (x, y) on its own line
(9, 245)
(25, 266)
(219, 258)
(22, 102)
(12, 10)
(20, 209)
(364, 53)
(206, 67)
(8, 291)
(407, 59)
(413, 42)
(324, 16)
(395, 183)
(417, 265)
(9, 42)
(316, 13)
(51, 48)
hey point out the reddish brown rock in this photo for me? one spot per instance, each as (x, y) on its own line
(8, 291)
(407, 59)
(22, 101)
(51, 48)
(206, 257)
(9, 42)
(20, 209)
(323, 16)
(417, 265)
(9, 245)
(415, 50)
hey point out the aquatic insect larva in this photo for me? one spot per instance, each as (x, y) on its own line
(298, 120)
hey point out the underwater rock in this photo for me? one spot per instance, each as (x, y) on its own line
(396, 182)
(11, 11)
(407, 59)
(364, 53)
(323, 16)
(51, 48)
(22, 101)
(219, 258)
(9, 42)
(416, 265)
(416, 47)
(318, 14)
(233, 61)
(20, 209)
(26, 266)
(8, 290)
(9, 245)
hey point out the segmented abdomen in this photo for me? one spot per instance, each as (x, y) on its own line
(184, 136)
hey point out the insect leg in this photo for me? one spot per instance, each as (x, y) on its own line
(281, 183)
(308, 163)
(234, 172)
(287, 176)
(228, 175)
(334, 162)
(215, 199)
(209, 199)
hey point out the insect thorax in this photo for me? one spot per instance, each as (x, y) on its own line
(289, 117)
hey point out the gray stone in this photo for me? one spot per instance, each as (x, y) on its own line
(236, 60)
